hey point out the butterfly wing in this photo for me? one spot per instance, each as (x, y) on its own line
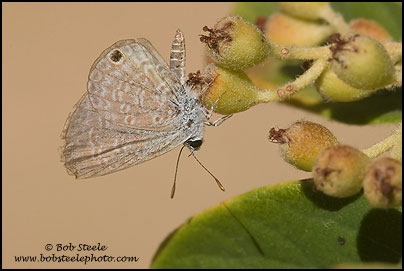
(169, 74)
(128, 115)
(130, 86)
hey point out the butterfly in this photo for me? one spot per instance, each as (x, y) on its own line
(136, 108)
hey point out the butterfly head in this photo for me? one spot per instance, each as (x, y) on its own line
(194, 144)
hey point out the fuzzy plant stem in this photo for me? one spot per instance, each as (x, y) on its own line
(397, 150)
(391, 142)
(304, 53)
(336, 20)
(303, 80)
(291, 88)
(398, 76)
(394, 49)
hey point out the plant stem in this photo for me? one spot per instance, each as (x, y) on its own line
(398, 78)
(303, 80)
(397, 150)
(336, 20)
(394, 49)
(291, 52)
(290, 88)
(399, 75)
(267, 95)
(388, 143)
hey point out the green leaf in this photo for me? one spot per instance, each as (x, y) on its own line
(383, 107)
(285, 226)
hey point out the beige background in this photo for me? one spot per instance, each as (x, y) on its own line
(48, 50)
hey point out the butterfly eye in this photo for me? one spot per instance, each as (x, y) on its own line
(195, 144)
(116, 56)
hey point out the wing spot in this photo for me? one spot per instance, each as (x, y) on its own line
(116, 56)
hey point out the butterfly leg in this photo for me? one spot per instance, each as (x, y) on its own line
(208, 113)
(218, 121)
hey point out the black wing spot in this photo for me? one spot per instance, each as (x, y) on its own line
(116, 56)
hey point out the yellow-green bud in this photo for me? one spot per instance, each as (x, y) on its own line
(282, 29)
(230, 92)
(332, 88)
(339, 171)
(302, 142)
(236, 44)
(383, 183)
(303, 10)
(362, 62)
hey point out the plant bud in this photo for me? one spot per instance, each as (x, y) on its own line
(370, 28)
(302, 142)
(236, 44)
(303, 10)
(362, 62)
(230, 92)
(383, 183)
(339, 171)
(332, 88)
(285, 30)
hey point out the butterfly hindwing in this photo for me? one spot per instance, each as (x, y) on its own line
(95, 146)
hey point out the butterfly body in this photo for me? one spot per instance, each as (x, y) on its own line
(136, 108)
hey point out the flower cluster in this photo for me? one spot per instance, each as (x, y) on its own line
(345, 61)
(341, 170)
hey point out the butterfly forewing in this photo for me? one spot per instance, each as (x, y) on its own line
(129, 87)
(167, 73)
(128, 115)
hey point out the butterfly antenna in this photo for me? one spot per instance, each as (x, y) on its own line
(216, 179)
(176, 170)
